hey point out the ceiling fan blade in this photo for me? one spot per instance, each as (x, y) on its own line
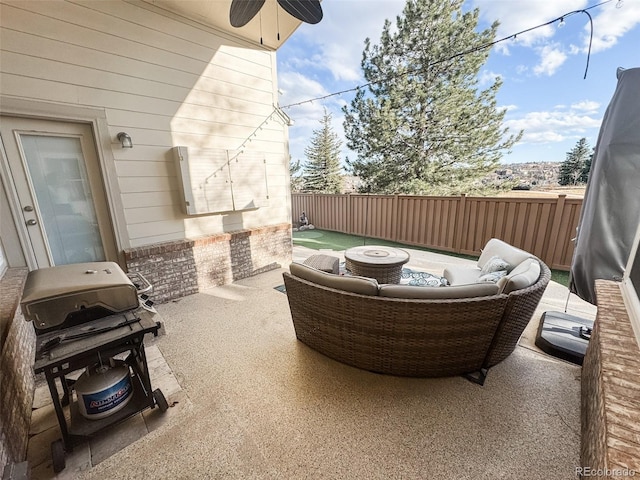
(242, 11)
(308, 11)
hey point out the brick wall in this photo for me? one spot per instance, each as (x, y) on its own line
(185, 267)
(611, 390)
(17, 382)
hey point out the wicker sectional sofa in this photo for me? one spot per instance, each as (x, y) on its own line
(412, 331)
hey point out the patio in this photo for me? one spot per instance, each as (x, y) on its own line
(255, 403)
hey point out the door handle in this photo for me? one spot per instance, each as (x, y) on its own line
(31, 222)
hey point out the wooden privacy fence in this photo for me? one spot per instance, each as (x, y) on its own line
(461, 224)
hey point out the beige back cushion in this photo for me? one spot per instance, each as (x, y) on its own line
(457, 291)
(512, 255)
(361, 285)
(524, 275)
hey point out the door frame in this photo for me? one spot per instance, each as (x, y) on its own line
(103, 143)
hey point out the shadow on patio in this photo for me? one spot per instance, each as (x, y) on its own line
(256, 403)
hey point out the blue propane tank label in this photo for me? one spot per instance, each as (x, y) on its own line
(99, 402)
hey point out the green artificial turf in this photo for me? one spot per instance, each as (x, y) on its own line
(561, 277)
(327, 239)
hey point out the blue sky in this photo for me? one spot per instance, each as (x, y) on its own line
(542, 71)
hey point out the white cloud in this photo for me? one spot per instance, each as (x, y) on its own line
(524, 15)
(574, 49)
(551, 58)
(341, 34)
(610, 23)
(560, 124)
(297, 87)
(487, 78)
(586, 106)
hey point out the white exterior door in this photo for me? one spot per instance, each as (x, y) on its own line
(59, 191)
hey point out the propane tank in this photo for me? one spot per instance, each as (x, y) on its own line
(103, 390)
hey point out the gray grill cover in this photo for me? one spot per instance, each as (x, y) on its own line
(611, 209)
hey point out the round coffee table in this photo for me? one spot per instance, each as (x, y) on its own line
(375, 261)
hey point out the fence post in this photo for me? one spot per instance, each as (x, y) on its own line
(457, 229)
(347, 220)
(555, 231)
(396, 223)
(314, 206)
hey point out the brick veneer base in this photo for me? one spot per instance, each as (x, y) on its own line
(17, 381)
(175, 269)
(611, 390)
(185, 267)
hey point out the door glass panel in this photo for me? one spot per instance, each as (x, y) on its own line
(57, 170)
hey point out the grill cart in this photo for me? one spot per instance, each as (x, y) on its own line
(91, 317)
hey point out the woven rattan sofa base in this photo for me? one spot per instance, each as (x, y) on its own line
(407, 337)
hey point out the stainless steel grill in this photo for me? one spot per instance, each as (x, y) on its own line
(65, 296)
(89, 316)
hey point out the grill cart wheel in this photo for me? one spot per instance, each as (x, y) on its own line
(57, 454)
(161, 402)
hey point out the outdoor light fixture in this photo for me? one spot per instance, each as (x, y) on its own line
(561, 24)
(283, 116)
(125, 140)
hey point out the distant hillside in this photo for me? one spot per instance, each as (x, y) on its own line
(570, 192)
(528, 175)
(536, 177)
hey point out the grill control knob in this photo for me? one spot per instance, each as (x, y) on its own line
(31, 222)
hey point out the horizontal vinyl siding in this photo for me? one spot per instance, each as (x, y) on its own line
(166, 82)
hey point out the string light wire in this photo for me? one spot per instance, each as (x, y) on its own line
(513, 36)
(275, 113)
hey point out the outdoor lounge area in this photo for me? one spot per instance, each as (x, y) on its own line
(253, 402)
(156, 134)
(467, 324)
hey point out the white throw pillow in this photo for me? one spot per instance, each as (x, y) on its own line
(492, 277)
(494, 264)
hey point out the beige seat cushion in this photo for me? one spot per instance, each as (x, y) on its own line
(524, 275)
(459, 291)
(461, 275)
(361, 285)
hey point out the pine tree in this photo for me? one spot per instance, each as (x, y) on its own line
(295, 174)
(586, 169)
(575, 169)
(322, 171)
(423, 125)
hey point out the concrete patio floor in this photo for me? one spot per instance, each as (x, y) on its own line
(250, 401)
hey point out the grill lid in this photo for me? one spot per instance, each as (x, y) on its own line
(51, 295)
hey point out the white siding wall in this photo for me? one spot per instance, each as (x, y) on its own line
(164, 80)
